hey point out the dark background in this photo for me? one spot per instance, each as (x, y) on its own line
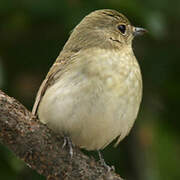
(32, 33)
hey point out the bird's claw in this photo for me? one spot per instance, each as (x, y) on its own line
(103, 163)
(68, 142)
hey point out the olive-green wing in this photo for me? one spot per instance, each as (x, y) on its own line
(53, 74)
(45, 84)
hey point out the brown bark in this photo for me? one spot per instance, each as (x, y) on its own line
(41, 148)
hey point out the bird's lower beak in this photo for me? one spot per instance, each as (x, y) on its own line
(139, 31)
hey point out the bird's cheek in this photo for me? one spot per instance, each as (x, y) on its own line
(129, 39)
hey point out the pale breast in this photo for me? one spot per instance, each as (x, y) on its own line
(122, 84)
(97, 101)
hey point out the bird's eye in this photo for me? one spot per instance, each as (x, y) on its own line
(122, 28)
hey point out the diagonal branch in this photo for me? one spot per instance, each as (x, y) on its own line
(41, 148)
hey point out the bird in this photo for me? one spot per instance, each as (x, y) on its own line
(93, 91)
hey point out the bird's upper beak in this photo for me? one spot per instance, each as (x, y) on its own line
(139, 31)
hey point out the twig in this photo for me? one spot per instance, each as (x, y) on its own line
(41, 148)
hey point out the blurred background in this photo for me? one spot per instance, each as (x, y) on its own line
(32, 33)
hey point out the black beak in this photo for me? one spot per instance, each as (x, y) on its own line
(139, 31)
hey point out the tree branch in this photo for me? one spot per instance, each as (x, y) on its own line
(41, 148)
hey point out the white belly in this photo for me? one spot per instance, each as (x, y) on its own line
(93, 111)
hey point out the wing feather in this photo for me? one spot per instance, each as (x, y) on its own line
(60, 63)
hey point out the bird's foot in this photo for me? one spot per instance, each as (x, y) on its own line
(103, 163)
(68, 142)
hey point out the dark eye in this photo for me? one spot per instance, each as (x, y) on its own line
(122, 28)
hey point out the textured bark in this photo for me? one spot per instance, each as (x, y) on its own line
(41, 148)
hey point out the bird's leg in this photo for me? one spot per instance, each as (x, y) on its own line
(103, 163)
(68, 142)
